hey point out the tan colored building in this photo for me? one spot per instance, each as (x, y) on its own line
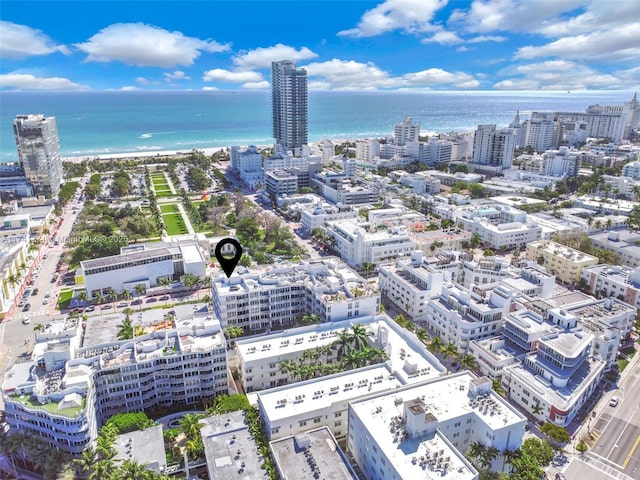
(563, 262)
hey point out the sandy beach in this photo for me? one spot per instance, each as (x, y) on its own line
(133, 155)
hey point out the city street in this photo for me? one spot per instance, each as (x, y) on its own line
(617, 430)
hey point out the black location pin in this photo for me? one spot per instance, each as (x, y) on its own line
(227, 258)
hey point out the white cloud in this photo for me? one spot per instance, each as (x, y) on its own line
(256, 85)
(407, 15)
(438, 76)
(21, 41)
(559, 75)
(143, 81)
(146, 46)
(263, 56)
(462, 49)
(221, 75)
(210, 89)
(348, 74)
(21, 81)
(443, 37)
(623, 43)
(177, 75)
(130, 88)
(487, 38)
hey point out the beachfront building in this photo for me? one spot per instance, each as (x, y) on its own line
(356, 245)
(563, 262)
(76, 380)
(461, 315)
(616, 281)
(39, 152)
(247, 162)
(145, 264)
(273, 298)
(426, 428)
(289, 107)
(293, 408)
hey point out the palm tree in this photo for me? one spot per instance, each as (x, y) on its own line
(98, 298)
(450, 350)
(82, 297)
(125, 330)
(287, 366)
(476, 240)
(468, 361)
(139, 289)
(343, 343)
(87, 460)
(132, 470)
(190, 425)
(422, 335)
(125, 294)
(436, 344)
(359, 337)
(537, 409)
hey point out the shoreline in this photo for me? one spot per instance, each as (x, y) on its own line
(147, 154)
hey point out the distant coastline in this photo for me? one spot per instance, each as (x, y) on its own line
(130, 124)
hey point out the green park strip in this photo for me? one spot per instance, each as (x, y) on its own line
(170, 208)
(174, 223)
(64, 299)
(164, 193)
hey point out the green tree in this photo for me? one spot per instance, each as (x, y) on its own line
(555, 433)
(436, 344)
(469, 362)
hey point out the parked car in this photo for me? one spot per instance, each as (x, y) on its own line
(613, 402)
(26, 321)
(35, 291)
(26, 308)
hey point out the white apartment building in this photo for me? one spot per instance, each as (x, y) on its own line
(426, 428)
(356, 245)
(505, 235)
(492, 355)
(563, 262)
(493, 148)
(616, 281)
(407, 131)
(537, 133)
(432, 242)
(38, 147)
(140, 265)
(459, 315)
(294, 408)
(280, 296)
(247, 161)
(632, 170)
(14, 254)
(560, 163)
(367, 150)
(605, 206)
(394, 217)
(69, 390)
(410, 282)
(322, 212)
(625, 243)
(620, 186)
(280, 183)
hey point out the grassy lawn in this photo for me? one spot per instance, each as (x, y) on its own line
(160, 186)
(65, 299)
(171, 208)
(630, 351)
(175, 224)
(622, 364)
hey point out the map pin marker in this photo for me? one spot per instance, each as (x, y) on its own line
(226, 257)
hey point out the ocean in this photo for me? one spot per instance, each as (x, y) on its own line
(103, 123)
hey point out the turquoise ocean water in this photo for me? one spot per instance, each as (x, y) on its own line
(100, 123)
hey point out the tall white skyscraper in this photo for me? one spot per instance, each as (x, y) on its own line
(407, 131)
(289, 104)
(39, 152)
(493, 147)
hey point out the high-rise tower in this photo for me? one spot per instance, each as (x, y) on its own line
(39, 152)
(289, 104)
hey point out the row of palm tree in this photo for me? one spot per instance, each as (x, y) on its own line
(352, 351)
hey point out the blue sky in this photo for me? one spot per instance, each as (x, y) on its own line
(344, 45)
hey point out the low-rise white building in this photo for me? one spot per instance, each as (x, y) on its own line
(506, 235)
(275, 297)
(625, 243)
(459, 315)
(291, 409)
(356, 245)
(426, 428)
(322, 212)
(247, 161)
(143, 265)
(559, 260)
(614, 281)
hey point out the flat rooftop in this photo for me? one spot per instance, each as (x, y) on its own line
(143, 446)
(310, 453)
(230, 449)
(125, 259)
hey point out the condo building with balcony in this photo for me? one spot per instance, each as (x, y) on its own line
(563, 262)
(76, 380)
(270, 299)
(616, 281)
(356, 244)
